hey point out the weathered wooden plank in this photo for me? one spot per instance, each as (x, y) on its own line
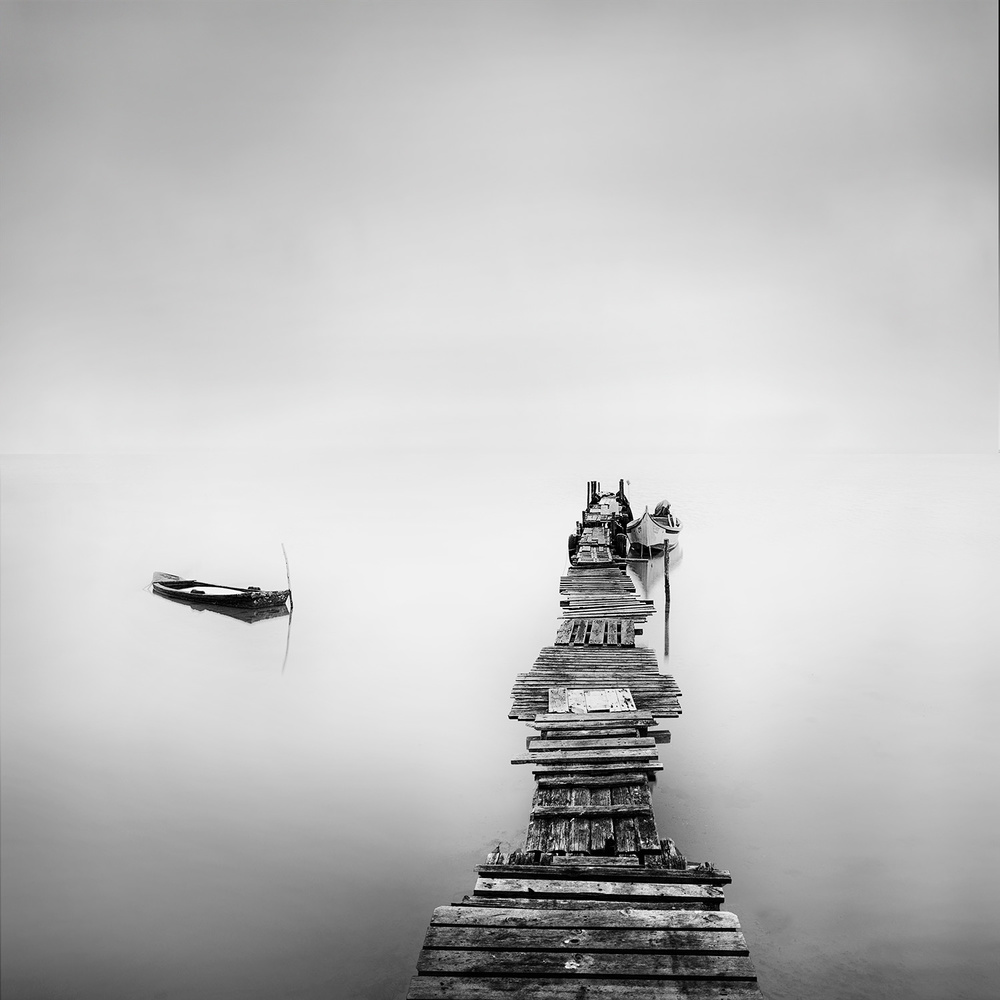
(576, 700)
(599, 679)
(635, 614)
(594, 585)
(634, 654)
(537, 888)
(604, 678)
(591, 665)
(537, 834)
(430, 987)
(645, 828)
(575, 743)
(527, 702)
(688, 920)
(570, 903)
(595, 756)
(609, 718)
(590, 811)
(602, 830)
(584, 596)
(568, 865)
(597, 869)
(526, 708)
(624, 778)
(557, 700)
(550, 734)
(563, 632)
(588, 661)
(554, 963)
(581, 591)
(595, 770)
(626, 838)
(557, 799)
(580, 655)
(629, 802)
(515, 938)
(558, 834)
(614, 675)
(579, 826)
(642, 694)
(593, 659)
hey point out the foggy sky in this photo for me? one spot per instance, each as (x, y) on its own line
(453, 225)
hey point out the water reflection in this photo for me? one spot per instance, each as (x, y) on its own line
(179, 819)
(249, 615)
(646, 572)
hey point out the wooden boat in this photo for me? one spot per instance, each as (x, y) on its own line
(214, 595)
(652, 531)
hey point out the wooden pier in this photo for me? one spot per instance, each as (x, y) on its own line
(597, 905)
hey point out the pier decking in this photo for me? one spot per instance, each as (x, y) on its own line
(597, 905)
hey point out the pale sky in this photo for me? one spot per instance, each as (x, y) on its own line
(697, 226)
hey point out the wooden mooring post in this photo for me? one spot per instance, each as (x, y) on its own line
(596, 905)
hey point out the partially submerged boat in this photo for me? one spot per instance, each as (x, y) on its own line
(653, 531)
(216, 596)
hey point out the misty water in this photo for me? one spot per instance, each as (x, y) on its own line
(185, 817)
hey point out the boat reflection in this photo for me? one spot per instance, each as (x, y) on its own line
(652, 584)
(249, 615)
(648, 571)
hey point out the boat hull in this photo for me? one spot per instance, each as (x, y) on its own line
(193, 592)
(650, 532)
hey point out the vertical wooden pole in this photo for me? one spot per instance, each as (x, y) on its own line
(666, 601)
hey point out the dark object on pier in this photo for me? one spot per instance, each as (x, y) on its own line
(626, 510)
(621, 544)
(215, 597)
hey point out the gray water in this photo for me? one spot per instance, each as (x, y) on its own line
(184, 818)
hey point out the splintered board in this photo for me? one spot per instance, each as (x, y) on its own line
(580, 700)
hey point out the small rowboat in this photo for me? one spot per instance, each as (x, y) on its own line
(213, 595)
(653, 532)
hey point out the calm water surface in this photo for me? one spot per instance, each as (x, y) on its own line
(184, 819)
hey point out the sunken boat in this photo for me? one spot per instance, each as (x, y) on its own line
(217, 597)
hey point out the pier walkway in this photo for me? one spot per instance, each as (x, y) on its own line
(597, 905)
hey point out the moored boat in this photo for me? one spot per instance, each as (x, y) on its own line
(214, 595)
(653, 531)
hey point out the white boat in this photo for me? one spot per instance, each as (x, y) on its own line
(653, 531)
